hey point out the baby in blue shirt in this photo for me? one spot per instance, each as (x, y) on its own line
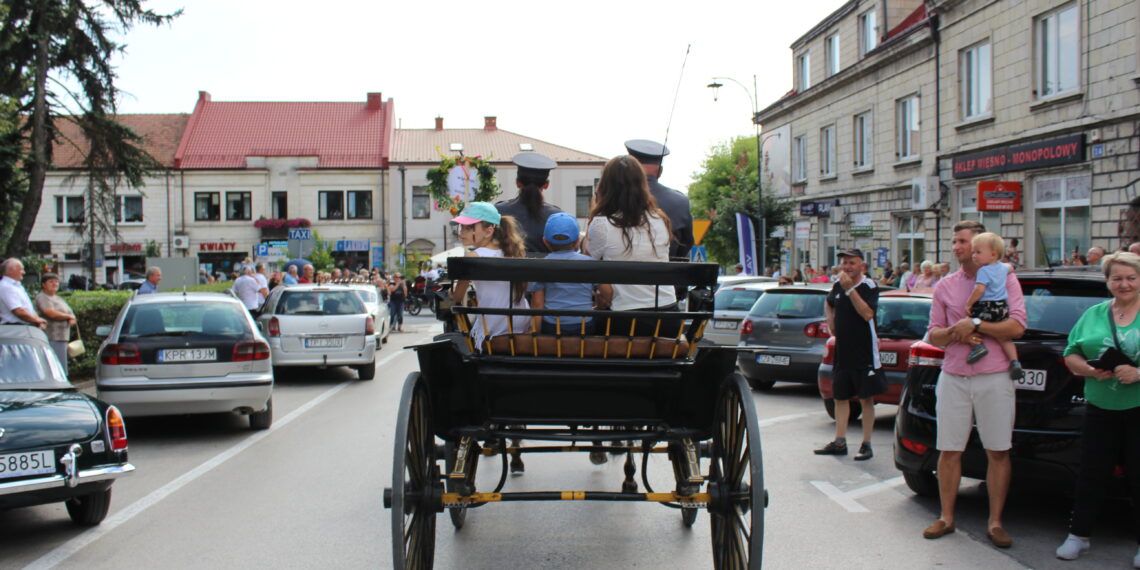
(561, 236)
(990, 301)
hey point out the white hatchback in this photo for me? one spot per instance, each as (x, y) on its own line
(319, 325)
(372, 299)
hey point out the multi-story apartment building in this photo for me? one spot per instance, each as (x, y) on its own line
(908, 116)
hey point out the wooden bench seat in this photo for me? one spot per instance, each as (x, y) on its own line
(589, 346)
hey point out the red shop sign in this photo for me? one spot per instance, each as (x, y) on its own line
(217, 246)
(125, 247)
(997, 196)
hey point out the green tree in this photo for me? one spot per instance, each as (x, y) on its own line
(726, 186)
(55, 64)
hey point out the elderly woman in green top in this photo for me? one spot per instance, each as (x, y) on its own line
(1112, 410)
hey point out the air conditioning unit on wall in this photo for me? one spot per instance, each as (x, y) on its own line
(924, 193)
(181, 242)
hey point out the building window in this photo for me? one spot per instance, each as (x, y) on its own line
(868, 32)
(238, 206)
(831, 51)
(968, 209)
(582, 198)
(864, 150)
(1064, 224)
(69, 209)
(421, 203)
(799, 150)
(1057, 51)
(907, 136)
(130, 209)
(280, 202)
(910, 241)
(827, 151)
(331, 206)
(977, 81)
(207, 206)
(803, 68)
(360, 204)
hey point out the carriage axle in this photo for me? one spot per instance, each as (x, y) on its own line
(694, 501)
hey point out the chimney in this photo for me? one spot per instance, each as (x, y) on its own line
(375, 101)
(439, 123)
(489, 124)
(204, 96)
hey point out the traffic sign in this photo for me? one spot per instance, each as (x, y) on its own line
(261, 250)
(698, 254)
(300, 234)
(700, 227)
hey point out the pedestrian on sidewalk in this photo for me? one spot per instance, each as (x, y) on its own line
(850, 307)
(980, 393)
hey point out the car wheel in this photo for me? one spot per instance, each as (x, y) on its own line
(762, 385)
(923, 483)
(856, 409)
(264, 418)
(89, 510)
(368, 371)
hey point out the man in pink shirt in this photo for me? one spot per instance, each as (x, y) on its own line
(982, 390)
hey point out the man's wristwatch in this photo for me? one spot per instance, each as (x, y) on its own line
(977, 323)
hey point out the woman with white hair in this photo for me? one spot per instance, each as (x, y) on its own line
(925, 282)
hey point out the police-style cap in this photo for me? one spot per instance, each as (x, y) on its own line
(533, 165)
(646, 152)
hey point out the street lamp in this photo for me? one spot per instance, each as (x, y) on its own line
(762, 226)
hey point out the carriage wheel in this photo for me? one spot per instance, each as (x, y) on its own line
(416, 489)
(736, 480)
(465, 487)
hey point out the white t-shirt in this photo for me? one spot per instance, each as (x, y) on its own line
(262, 283)
(496, 295)
(246, 288)
(606, 243)
(13, 296)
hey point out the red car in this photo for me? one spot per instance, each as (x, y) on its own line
(900, 320)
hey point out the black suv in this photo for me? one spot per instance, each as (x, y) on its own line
(1050, 400)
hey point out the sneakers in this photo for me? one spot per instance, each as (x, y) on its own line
(833, 448)
(1015, 371)
(1073, 547)
(977, 353)
(865, 452)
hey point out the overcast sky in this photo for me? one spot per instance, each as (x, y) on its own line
(587, 74)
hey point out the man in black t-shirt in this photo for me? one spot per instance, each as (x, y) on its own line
(850, 309)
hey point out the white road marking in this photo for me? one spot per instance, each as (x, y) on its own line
(69, 548)
(875, 488)
(844, 500)
(789, 418)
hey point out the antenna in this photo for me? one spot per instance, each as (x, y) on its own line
(676, 93)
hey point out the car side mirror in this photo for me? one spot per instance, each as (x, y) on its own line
(103, 330)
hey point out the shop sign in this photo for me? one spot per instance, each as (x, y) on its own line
(352, 245)
(861, 225)
(803, 230)
(1052, 152)
(126, 247)
(818, 208)
(881, 256)
(998, 196)
(217, 246)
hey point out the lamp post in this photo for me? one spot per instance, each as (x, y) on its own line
(762, 226)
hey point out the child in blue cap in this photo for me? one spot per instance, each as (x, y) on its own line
(561, 236)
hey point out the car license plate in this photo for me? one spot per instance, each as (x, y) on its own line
(188, 355)
(325, 342)
(1033, 380)
(888, 358)
(27, 463)
(731, 325)
(775, 359)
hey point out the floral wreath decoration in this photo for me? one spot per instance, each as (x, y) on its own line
(441, 192)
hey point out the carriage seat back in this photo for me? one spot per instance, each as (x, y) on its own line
(588, 346)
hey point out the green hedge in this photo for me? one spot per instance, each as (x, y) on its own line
(94, 308)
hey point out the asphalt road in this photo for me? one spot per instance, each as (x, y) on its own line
(211, 493)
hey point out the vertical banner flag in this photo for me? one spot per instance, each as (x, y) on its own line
(746, 243)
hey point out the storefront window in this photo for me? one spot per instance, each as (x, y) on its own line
(207, 206)
(910, 241)
(1064, 223)
(331, 205)
(238, 206)
(968, 209)
(359, 204)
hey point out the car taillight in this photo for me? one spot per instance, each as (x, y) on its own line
(829, 357)
(116, 429)
(746, 327)
(119, 354)
(274, 327)
(251, 350)
(923, 354)
(817, 330)
(369, 325)
(914, 446)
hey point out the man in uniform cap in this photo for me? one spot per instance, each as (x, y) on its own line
(673, 203)
(529, 208)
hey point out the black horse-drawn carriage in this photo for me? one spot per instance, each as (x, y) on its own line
(663, 392)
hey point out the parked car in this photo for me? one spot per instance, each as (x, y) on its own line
(734, 280)
(186, 353)
(57, 444)
(788, 328)
(731, 304)
(1050, 399)
(372, 299)
(131, 282)
(900, 320)
(319, 325)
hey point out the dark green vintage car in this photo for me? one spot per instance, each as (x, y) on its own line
(57, 444)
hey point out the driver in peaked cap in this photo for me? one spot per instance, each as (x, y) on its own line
(673, 203)
(529, 208)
